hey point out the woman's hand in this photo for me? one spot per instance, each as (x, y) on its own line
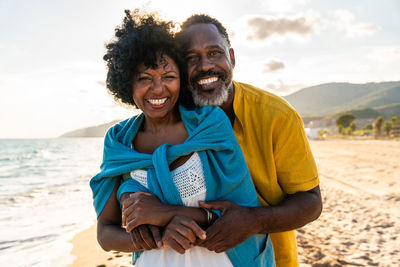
(181, 234)
(145, 208)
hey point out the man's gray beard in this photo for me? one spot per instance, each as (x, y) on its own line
(217, 100)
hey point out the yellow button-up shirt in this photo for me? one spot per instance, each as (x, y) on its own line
(276, 149)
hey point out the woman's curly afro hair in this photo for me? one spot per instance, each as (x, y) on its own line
(141, 38)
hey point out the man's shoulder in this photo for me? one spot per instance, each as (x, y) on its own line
(259, 98)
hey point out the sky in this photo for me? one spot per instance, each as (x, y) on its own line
(52, 73)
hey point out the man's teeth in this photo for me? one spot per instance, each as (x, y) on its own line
(157, 101)
(208, 80)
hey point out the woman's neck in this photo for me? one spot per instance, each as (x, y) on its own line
(154, 133)
(152, 125)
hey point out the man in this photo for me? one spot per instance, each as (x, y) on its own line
(272, 138)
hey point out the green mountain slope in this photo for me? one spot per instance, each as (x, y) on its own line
(324, 99)
(358, 113)
(380, 98)
(389, 111)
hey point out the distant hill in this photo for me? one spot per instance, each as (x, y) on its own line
(381, 97)
(93, 131)
(389, 110)
(330, 98)
(358, 113)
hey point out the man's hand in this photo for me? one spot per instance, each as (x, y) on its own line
(181, 233)
(234, 226)
(237, 223)
(144, 208)
(146, 237)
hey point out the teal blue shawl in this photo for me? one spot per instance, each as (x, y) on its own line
(225, 170)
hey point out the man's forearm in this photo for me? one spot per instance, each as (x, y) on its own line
(237, 223)
(294, 212)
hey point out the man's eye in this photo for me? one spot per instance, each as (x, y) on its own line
(215, 53)
(143, 78)
(191, 58)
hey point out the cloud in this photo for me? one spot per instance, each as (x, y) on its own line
(280, 87)
(274, 65)
(383, 61)
(385, 54)
(259, 28)
(362, 29)
(283, 5)
(265, 27)
(343, 20)
(277, 86)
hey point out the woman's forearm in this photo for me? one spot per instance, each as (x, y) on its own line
(145, 208)
(113, 237)
(110, 234)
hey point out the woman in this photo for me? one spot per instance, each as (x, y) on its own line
(170, 157)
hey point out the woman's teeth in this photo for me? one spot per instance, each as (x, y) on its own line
(157, 101)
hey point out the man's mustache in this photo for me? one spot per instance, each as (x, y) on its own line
(209, 73)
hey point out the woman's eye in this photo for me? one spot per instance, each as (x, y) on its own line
(143, 78)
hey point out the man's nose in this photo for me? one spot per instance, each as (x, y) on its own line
(206, 64)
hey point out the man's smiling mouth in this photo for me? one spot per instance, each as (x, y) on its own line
(207, 80)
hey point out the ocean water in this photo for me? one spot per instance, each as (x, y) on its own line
(45, 198)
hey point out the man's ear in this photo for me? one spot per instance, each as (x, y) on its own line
(232, 56)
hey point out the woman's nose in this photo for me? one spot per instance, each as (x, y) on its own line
(158, 86)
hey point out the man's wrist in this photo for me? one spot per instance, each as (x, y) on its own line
(257, 223)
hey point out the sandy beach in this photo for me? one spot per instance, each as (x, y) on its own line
(360, 223)
(88, 252)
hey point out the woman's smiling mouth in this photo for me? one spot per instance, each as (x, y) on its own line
(158, 101)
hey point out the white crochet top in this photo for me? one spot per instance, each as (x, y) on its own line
(190, 182)
(188, 178)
